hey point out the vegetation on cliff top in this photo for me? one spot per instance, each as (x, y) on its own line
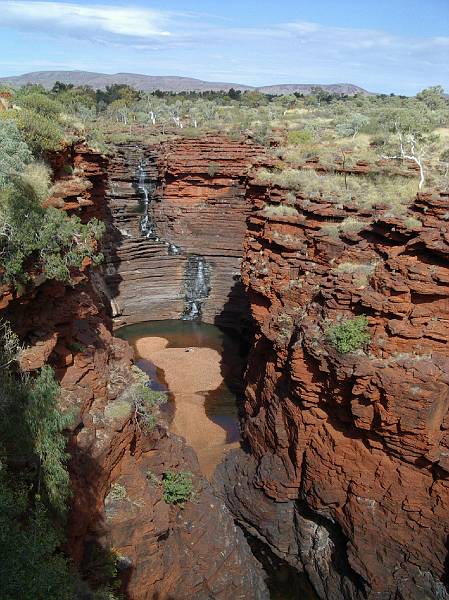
(35, 240)
(36, 243)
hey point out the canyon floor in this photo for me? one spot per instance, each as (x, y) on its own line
(190, 373)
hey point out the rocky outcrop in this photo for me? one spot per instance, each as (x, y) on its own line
(194, 232)
(347, 472)
(164, 551)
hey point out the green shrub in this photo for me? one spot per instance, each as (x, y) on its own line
(212, 169)
(34, 482)
(14, 152)
(41, 133)
(42, 104)
(44, 239)
(100, 569)
(117, 492)
(76, 347)
(144, 400)
(178, 487)
(349, 335)
(297, 138)
(33, 567)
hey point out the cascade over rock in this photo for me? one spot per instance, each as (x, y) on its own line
(345, 471)
(194, 214)
(164, 551)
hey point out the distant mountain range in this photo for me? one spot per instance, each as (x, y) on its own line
(150, 83)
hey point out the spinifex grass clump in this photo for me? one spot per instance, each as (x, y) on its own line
(349, 335)
(178, 487)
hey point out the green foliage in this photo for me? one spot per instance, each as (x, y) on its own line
(42, 133)
(212, 169)
(14, 152)
(352, 125)
(117, 492)
(298, 138)
(41, 104)
(32, 425)
(178, 487)
(117, 92)
(32, 567)
(144, 400)
(45, 424)
(34, 482)
(76, 347)
(46, 239)
(349, 335)
(100, 569)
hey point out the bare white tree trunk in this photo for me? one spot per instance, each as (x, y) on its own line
(415, 156)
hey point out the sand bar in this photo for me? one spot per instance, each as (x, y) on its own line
(189, 376)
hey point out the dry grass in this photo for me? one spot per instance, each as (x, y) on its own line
(361, 272)
(37, 175)
(349, 225)
(280, 210)
(395, 193)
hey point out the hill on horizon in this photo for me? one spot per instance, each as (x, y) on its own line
(150, 83)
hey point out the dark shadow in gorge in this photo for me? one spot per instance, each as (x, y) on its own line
(114, 239)
(236, 346)
(95, 561)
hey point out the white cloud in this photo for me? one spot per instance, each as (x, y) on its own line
(103, 22)
(201, 45)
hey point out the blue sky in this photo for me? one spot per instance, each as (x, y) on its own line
(396, 46)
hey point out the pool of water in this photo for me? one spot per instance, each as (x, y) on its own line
(199, 366)
(216, 406)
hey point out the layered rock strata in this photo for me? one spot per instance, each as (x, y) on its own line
(198, 211)
(347, 472)
(116, 468)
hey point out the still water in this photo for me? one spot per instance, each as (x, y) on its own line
(199, 365)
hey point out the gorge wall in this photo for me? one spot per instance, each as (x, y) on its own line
(163, 551)
(181, 256)
(345, 470)
(346, 476)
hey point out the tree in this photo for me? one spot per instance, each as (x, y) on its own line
(59, 87)
(352, 125)
(415, 148)
(433, 97)
(34, 238)
(234, 94)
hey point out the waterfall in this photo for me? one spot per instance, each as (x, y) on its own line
(197, 283)
(145, 190)
(173, 250)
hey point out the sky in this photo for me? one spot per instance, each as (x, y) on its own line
(399, 46)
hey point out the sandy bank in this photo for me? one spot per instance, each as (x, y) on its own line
(189, 376)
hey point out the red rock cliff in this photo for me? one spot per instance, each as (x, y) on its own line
(347, 476)
(165, 552)
(197, 211)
